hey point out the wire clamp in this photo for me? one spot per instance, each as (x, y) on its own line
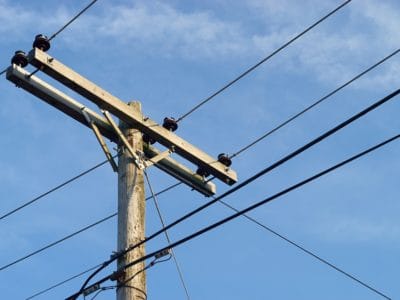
(91, 289)
(162, 253)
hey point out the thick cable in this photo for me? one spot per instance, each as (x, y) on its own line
(254, 206)
(262, 61)
(154, 197)
(254, 177)
(319, 101)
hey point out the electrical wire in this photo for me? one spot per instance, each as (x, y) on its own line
(86, 228)
(262, 61)
(72, 20)
(319, 101)
(55, 243)
(254, 206)
(167, 236)
(54, 189)
(291, 242)
(251, 179)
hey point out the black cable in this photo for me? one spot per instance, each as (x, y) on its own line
(61, 283)
(86, 228)
(262, 61)
(252, 207)
(72, 20)
(319, 101)
(54, 189)
(252, 178)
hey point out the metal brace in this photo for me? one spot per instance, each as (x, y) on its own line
(136, 159)
(152, 161)
(100, 139)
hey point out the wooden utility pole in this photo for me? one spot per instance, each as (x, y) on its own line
(131, 215)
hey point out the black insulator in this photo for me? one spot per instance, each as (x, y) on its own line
(41, 42)
(224, 159)
(148, 140)
(170, 124)
(20, 59)
(202, 172)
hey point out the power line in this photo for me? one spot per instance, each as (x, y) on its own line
(252, 178)
(291, 242)
(55, 243)
(153, 196)
(54, 189)
(319, 101)
(262, 61)
(250, 208)
(72, 20)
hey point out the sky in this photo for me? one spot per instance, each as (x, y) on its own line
(170, 55)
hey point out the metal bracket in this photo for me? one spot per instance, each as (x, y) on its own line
(154, 160)
(136, 159)
(100, 139)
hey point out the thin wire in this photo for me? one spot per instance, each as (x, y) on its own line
(252, 207)
(54, 189)
(55, 243)
(73, 19)
(61, 283)
(4, 71)
(167, 236)
(102, 290)
(252, 178)
(319, 101)
(81, 230)
(262, 61)
(291, 242)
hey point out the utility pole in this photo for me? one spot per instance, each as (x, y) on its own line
(131, 215)
(134, 154)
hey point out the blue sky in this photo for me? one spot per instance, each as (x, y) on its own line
(170, 55)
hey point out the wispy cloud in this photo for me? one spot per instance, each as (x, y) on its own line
(338, 49)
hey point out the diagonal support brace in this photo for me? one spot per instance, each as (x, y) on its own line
(136, 159)
(154, 160)
(100, 140)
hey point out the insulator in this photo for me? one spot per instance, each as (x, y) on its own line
(148, 140)
(202, 172)
(224, 159)
(41, 42)
(170, 124)
(20, 59)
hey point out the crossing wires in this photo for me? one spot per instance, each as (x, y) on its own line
(246, 210)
